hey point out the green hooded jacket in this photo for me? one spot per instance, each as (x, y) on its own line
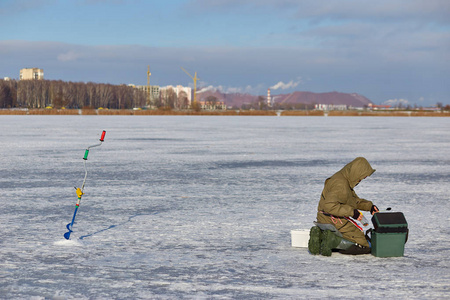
(338, 197)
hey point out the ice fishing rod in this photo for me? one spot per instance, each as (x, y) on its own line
(79, 191)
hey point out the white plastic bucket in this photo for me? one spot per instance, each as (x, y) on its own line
(299, 238)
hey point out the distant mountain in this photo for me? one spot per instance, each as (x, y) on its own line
(336, 98)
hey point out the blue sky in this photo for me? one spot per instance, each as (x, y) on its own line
(386, 50)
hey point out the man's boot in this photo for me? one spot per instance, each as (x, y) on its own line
(344, 244)
(356, 250)
(329, 241)
(315, 236)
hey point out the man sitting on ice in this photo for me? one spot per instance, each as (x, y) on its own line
(337, 204)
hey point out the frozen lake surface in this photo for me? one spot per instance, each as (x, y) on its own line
(202, 207)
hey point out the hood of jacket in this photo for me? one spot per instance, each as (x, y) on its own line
(357, 170)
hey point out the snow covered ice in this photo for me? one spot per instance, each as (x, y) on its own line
(202, 207)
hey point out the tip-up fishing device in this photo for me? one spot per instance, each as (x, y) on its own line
(79, 191)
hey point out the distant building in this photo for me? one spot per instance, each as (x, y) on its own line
(154, 91)
(213, 105)
(179, 91)
(330, 107)
(269, 99)
(377, 107)
(31, 74)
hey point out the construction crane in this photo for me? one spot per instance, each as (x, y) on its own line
(195, 78)
(148, 85)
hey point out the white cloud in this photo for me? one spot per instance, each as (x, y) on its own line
(249, 89)
(209, 88)
(233, 90)
(397, 102)
(284, 86)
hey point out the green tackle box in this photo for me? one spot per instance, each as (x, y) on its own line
(389, 235)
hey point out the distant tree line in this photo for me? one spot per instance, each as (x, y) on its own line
(57, 94)
(170, 100)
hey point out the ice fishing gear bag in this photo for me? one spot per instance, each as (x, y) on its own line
(389, 235)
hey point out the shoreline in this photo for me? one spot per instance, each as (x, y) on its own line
(285, 113)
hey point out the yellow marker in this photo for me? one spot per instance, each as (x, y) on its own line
(79, 193)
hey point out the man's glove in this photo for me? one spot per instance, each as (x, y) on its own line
(356, 214)
(374, 209)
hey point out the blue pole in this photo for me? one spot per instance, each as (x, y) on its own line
(69, 226)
